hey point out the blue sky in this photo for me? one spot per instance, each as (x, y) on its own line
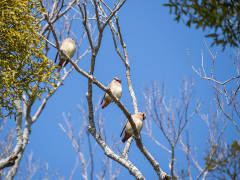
(157, 49)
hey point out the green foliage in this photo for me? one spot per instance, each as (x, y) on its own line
(224, 163)
(23, 65)
(222, 16)
(235, 147)
(183, 174)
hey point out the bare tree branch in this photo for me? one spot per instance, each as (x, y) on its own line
(223, 90)
(170, 119)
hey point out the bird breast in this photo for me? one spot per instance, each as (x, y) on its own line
(117, 91)
(139, 125)
(69, 49)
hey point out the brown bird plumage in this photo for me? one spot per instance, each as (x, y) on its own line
(69, 47)
(116, 88)
(138, 120)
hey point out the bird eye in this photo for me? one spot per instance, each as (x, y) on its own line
(144, 116)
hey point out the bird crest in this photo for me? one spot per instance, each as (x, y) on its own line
(118, 80)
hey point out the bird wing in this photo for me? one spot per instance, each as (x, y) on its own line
(123, 129)
(56, 57)
(65, 63)
(57, 52)
(109, 86)
(103, 98)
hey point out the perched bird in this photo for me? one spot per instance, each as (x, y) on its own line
(69, 47)
(116, 88)
(138, 120)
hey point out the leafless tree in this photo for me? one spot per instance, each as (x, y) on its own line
(226, 92)
(6, 143)
(95, 15)
(170, 117)
(102, 18)
(221, 156)
(35, 169)
(221, 160)
(77, 139)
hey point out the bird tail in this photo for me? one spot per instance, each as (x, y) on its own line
(106, 102)
(126, 137)
(60, 64)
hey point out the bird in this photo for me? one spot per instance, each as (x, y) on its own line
(116, 88)
(69, 47)
(138, 120)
